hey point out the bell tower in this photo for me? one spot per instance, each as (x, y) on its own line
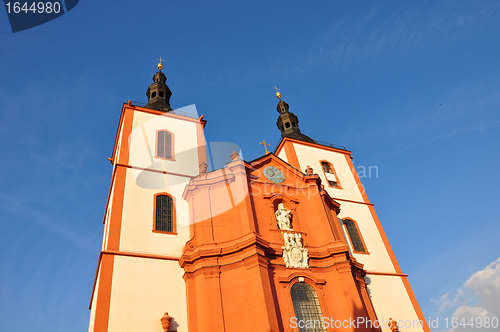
(388, 287)
(146, 220)
(288, 123)
(159, 93)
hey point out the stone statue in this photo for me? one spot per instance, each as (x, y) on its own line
(309, 170)
(166, 320)
(294, 253)
(283, 217)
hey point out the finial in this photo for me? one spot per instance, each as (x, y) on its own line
(160, 66)
(235, 156)
(166, 321)
(393, 325)
(203, 167)
(278, 94)
(265, 145)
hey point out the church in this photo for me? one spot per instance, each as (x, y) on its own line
(286, 242)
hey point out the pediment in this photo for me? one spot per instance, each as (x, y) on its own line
(263, 170)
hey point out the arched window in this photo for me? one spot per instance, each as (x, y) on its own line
(330, 175)
(307, 308)
(164, 144)
(164, 213)
(358, 245)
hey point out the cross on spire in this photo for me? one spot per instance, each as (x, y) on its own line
(265, 145)
(278, 94)
(160, 65)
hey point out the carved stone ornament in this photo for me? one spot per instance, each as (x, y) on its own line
(235, 156)
(203, 167)
(283, 218)
(309, 170)
(166, 320)
(393, 325)
(294, 253)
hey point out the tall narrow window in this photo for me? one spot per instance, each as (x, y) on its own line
(307, 308)
(164, 144)
(164, 213)
(330, 175)
(357, 242)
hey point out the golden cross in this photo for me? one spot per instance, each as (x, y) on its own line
(265, 144)
(278, 94)
(160, 59)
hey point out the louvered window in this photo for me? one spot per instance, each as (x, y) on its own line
(164, 145)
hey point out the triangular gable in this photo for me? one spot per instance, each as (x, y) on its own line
(271, 159)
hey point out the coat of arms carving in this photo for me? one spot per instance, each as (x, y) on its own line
(294, 253)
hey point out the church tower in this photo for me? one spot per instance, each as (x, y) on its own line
(286, 242)
(388, 287)
(156, 152)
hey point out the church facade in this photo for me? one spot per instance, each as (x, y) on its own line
(286, 242)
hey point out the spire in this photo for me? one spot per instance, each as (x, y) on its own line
(159, 93)
(287, 122)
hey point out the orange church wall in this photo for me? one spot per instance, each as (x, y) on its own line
(235, 275)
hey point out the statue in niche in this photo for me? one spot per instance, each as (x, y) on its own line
(294, 253)
(283, 217)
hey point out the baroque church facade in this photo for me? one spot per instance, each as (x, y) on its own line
(286, 242)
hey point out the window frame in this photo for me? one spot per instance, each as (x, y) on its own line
(174, 214)
(339, 186)
(172, 145)
(319, 297)
(366, 252)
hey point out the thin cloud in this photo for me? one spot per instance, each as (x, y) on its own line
(408, 31)
(471, 107)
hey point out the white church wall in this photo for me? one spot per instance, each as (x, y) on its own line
(138, 221)
(390, 300)
(378, 258)
(143, 143)
(313, 156)
(143, 289)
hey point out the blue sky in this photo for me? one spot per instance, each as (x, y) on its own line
(412, 88)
